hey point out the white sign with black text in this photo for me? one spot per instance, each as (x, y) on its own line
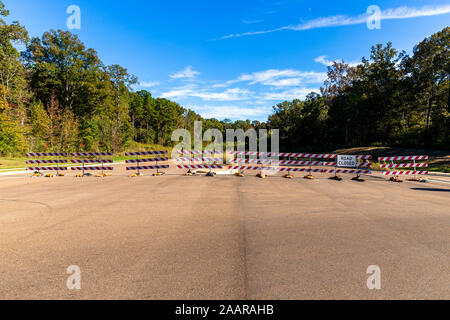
(347, 161)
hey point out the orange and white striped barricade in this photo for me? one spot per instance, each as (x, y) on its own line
(37, 170)
(414, 165)
(88, 164)
(140, 161)
(200, 159)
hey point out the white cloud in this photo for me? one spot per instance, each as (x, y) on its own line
(282, 78)
(177, 92)
(232, 112)
(324, 60)
(342, 20)
(234, 94)
(220, 85)
(228, 95)
(290, 94)
(187, 73)
(149, 84)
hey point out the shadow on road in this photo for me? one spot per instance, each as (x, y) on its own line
(431, 189)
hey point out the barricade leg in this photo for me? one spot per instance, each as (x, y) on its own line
(336, 177)
(157, 173)
(59, 174)
(38, 172)
(396, 178)
(210, 173)
(102, 174)
(80, 175)
(289, 175)
(358, 178)
(49, 175)
(309, 176)
(261, 175)
(415, 179)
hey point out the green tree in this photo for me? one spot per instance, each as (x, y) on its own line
(41, 127)
(62, 66)
(430, 69)
(11, 136)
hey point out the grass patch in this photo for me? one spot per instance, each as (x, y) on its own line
(12, 163)
(443, 168)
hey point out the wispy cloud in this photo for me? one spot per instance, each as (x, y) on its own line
(149, 84)
(228, 95)
(234, 94)
(187, 73)
(220, 85)
(232, 112)
(343, 20)
(282, 78)
(324, 60)
(290, 94)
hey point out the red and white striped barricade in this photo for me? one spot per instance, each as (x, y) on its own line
(140, 161)
(88, 164)
(38, 169)
(200, 159)
(414, 165)
(358, 172)
(285, 169)
(199, 166)
(199, 153)
(239, 162)
(313, 160)
(191, 167)
(102, 168)
(200, 156)
(39, 162)
(284, 155)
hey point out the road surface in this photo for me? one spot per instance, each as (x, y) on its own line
(177, 237)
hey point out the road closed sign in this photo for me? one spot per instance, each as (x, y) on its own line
(347, 162)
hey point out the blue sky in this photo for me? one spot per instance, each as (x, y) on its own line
(234, 59)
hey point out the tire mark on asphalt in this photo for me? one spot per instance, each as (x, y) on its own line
(243, 292)
(31, 202)
(242, 202)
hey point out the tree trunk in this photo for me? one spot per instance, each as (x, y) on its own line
(429, 110)
(132, 120)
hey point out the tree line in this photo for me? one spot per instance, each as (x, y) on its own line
(389, 99)
(57, 95)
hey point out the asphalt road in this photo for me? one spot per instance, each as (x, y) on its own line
(176, 237)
